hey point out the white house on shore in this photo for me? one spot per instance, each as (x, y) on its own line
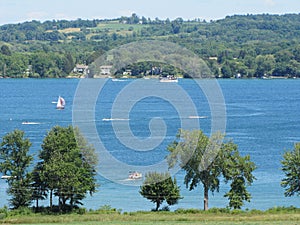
(105, 70)
(81, 69)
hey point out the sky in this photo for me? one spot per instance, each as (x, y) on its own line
(15, 11)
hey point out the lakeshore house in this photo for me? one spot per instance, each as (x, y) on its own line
(105, 70)
(81, 69)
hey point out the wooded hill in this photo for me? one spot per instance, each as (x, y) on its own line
(240, 45)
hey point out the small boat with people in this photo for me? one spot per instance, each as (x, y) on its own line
(169, 78)
(134, 175)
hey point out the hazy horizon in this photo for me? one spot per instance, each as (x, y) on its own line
(16, 11)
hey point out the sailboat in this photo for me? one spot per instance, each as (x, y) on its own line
(60, 103)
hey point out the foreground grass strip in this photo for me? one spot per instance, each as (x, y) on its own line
(173, 223)
(149, 218)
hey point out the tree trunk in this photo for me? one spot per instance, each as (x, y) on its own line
(51, 204)
(71, 203)
(205, 197)
(157, 205)
(59, 204)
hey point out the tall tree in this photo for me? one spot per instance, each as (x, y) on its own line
(159, 187)
(238, 170)
(68, 63)
(291, 168)
(68, 166)
(14, 164)
(206, 160)
(39, 187)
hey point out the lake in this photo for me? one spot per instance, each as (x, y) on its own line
(135, 121)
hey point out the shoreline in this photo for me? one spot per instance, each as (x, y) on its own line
(151, 78)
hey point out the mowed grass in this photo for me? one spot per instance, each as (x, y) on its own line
(119, 28)
(159, 218)
(69, 30)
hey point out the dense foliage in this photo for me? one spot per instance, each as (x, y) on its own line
(205, 160)
(236, 46)
(291, 168)
(14, 164)
(159, 187)
(66, 168)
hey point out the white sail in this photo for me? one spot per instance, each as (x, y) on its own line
(60, 103)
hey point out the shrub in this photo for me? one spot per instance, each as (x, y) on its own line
(255, 211)
(80, 211)
(106, 209)
(218, 210)
(282, 209)
(20, 211)
(186, 211)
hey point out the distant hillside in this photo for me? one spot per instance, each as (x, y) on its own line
(236, 46)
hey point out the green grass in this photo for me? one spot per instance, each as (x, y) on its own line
(205, 223)
(275, 216)
(119, 28)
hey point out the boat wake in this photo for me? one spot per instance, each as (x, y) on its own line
(30, 123)
(118, 80)
(198, 117)
(114, 119)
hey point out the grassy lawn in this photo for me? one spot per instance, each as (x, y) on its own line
(69, 30)
(119, 28)
(160, 218)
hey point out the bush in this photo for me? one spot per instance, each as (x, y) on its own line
(255, 211)
(3, 212)
(105, 209)
(23, 211)
(2, 216)
(186, 211)
(4, 209)
(219, 210)
(236, 211)
(165, 208)
(80, 211)
(283, 209)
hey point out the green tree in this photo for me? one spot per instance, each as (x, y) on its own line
(14, 164)
(175, 27)
(226, 71)
(68, 63)
(159, 187)
(67, 168)
(5, 50)
(265, 65)
(41, 63)
(39, 187)
(206, 160)
(238, 170)
(291, 168)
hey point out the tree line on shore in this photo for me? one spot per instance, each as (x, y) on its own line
(66, 169)
(236, 46)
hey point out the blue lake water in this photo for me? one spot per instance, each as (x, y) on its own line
(262, 117)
